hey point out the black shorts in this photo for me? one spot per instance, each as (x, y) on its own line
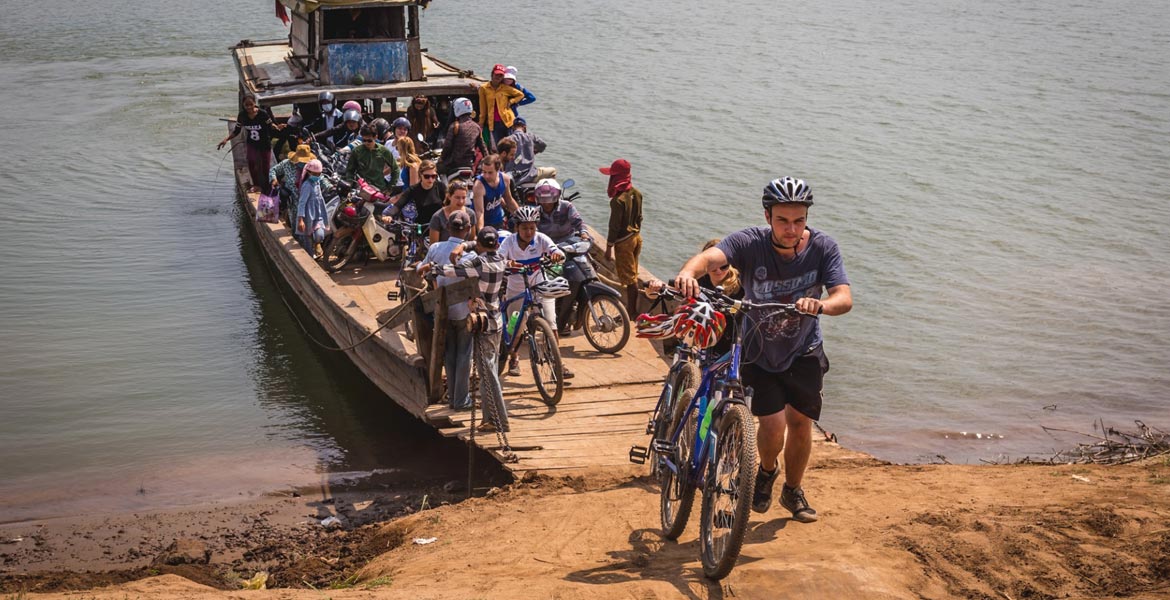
(799, 386)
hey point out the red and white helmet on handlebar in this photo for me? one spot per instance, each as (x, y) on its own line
(656, 327)
(699, 324)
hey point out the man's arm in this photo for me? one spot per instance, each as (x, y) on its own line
(477, 195)
(838, 302)
(483, 106)
(509, 202)
(687, 280)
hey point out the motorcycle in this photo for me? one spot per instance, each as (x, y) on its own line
(595, 307)
(399, 240)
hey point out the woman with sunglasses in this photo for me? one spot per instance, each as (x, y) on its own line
(426, 195)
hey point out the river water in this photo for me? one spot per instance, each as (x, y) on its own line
(996, 174)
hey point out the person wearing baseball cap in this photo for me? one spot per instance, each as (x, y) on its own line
(496, 100)
(457, 358)
(624, 241)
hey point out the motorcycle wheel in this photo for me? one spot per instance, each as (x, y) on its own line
(338, 253)
(607, 324)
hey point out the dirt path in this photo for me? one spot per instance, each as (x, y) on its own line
(887, 532)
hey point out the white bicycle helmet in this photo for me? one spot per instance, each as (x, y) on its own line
(528, 214)
(462, 106)
(547, 191)
(557, 287)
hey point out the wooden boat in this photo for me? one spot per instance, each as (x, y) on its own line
(605, 406)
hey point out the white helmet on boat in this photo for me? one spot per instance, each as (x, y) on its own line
(547, 191)
(462, 106)
(558, 287)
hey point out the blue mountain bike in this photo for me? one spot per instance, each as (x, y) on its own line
(711, 444)
(529, 324)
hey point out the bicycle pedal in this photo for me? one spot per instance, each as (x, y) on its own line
(639, 454)
(664, 447)
(392, 295)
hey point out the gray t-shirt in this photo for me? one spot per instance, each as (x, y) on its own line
(439, 222)
(767, 277)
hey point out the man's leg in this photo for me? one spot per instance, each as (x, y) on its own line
(797, 447)
(768, 406)
(458, 364)
(491, 397)
(802, 385)
(770, 441)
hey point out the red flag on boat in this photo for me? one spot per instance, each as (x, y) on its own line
(281, 13)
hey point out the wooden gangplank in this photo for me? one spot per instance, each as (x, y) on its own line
(604, 409)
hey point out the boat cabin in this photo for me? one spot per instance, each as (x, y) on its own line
(357, 49)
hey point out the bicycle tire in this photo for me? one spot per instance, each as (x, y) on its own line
(734, 476)
(542, 345)
(676, 491)
(686, 377)
(610, 307)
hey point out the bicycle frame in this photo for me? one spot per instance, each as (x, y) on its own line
(528, 301)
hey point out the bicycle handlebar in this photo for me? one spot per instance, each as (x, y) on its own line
(723, 301)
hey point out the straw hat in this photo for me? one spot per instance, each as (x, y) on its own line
(303, 154)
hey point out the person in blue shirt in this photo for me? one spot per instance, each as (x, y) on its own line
(784, 362)
(510, 79)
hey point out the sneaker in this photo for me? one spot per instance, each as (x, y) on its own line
(762, 497)
(793, 500)
(514, 369)
(567, 374)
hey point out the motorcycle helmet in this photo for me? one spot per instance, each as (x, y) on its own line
(352, 105)
(325, 99)
(352, 115)
(558, 287)
(314, 166)
(547, 191)
(401, 122)
(382, 126)
(349, 211)
(699, 324)
(656, 327)
(294, 121)
(462, 106)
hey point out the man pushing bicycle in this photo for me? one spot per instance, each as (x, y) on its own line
(784, 363)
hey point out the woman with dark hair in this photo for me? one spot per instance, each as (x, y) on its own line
(423, 119)
(259, 129)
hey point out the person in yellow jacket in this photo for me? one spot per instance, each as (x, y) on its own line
(496, 100)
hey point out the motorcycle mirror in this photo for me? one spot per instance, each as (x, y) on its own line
(421, 138)
(568, 184)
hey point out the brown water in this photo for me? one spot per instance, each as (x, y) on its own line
(996, 175)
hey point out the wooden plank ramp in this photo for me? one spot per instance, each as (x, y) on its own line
(604, 409)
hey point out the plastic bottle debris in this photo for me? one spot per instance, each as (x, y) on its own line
(425, 541)
(1081, 478)
(331, 523)
(257, 582)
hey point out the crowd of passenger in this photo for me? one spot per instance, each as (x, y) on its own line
(445, 163)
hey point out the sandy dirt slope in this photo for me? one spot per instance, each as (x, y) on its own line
(887, 532)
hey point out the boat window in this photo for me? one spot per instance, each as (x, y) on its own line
(387, 22)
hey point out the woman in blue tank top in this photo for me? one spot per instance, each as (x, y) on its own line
(492, 194)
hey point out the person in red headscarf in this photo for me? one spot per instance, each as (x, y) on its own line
(624, 241)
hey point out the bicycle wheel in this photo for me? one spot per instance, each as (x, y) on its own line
(676, 492)
(545, 357)
(686, 378)
(607, 325)
(727, 493)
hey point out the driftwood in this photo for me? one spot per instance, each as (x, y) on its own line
(1110, 447)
